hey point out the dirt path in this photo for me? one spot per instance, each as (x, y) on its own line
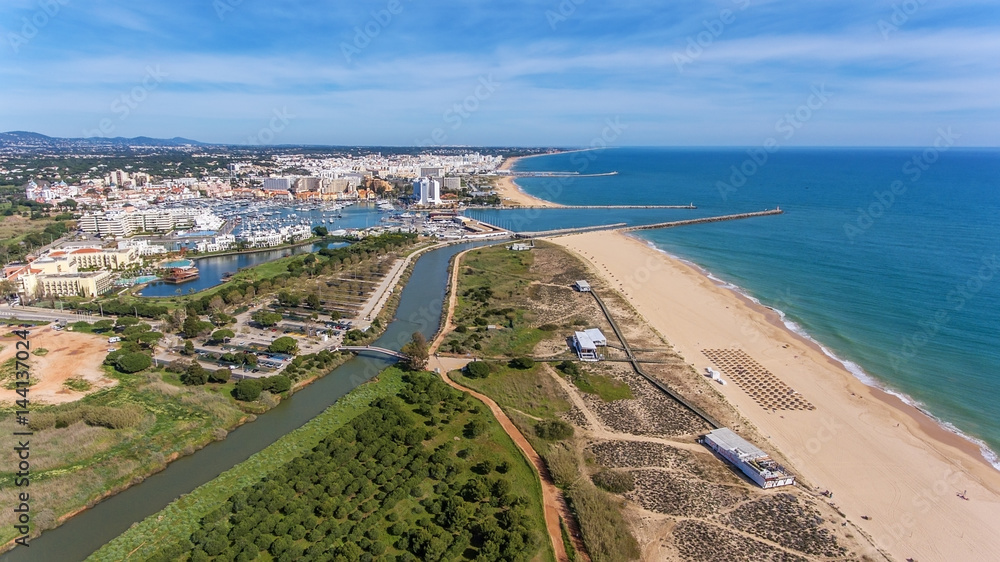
(553, 502)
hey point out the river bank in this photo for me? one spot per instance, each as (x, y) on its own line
(414, 311)
(894, 471)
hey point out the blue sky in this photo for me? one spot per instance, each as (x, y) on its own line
(678, 73)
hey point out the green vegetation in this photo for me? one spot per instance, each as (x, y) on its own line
(379, 475)
(477, 370)
(553, 430)
(248, 390)
(41, 352)
(284, 344)
(77, 384)
(495, 288)
(488, 277)
(607, 388)
(416, 352)
(614, 481)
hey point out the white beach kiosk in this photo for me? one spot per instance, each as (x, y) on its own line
(752, 461)
(587, 342)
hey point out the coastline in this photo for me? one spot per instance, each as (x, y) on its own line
(512, 195)
(884, 459)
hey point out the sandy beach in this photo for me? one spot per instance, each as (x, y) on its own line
(512, 195)
(893, 471)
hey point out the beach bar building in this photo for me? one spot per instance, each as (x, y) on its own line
(582, 286)
(586, 349)
(754, 462)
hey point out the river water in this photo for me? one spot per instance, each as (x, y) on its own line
(419, 310)
(212, 268)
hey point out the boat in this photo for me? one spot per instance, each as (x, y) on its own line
(181, 275)
(228, 275)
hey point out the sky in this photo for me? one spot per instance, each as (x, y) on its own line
(505, 73)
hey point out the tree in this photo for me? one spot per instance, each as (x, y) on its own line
(193, 326)
(477, 370)
(194, 375)
(248, 390)
(276, 384)
(188, 348)
(284, 344)
(132, 362)
(69, 204)
(320, 231)
(312, 299)
(416, 352)
(265, 318)
(103, 325)
(222, 335)
(475, 428)
(288, 298)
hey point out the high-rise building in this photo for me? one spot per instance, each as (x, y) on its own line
(427, 191)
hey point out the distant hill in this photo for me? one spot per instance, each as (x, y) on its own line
(26, 139)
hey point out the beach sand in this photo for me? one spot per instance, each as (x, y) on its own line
(881, 458)
(512, 195)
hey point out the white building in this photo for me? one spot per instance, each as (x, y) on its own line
(126, 222)
(143, 247)
(427, 191)
(585, 347)
(754, 462)
(277, 184)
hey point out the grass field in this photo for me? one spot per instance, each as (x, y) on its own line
(495, 280)
(72, 466)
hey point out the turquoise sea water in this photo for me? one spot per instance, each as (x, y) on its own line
(889, 258)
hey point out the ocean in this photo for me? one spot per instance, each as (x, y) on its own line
(888, 258)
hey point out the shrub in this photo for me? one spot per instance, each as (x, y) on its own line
(548, 327)
(276, 383)
(132, 362)
(283, 344)
(248, 390)
(614, 481)
(522, 363)
(220, 375)
(477, 370)
(119, 417)
(553, 430)
(569, 367)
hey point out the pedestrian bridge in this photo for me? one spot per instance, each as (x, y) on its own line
(368, 348)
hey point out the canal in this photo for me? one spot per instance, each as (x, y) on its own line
(419, 310)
